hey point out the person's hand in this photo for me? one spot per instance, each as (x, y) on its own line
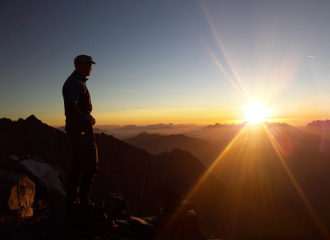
(92, 120)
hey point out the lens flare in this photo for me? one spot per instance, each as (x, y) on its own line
(257, 112)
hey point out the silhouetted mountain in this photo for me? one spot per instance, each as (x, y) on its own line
(217, 134)
(156, 126)
(122, 168)
(319, 123)
(278, 177)
(31, 136)
(148, 127)
(129, 131)
(156, 144)
(276, 168)
(96, 130)
(320, 129)
(218, 210)
(217, 125)
(281, 171)
(130, 127)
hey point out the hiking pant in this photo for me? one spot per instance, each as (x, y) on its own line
(84, 167)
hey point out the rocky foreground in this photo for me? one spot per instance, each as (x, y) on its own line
(37, 211)
(34, 210)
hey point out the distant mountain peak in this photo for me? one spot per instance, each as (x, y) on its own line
(278, 124)
(319, 123)
(145, 135)
(215, 125)
(129, 126)
(32, 118)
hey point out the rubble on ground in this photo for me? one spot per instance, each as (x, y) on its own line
(176, 220)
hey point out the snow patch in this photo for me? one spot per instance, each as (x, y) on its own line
(45, 172)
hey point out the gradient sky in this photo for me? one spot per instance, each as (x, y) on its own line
(167, 61)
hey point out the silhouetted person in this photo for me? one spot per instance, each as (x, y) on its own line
(79, 128)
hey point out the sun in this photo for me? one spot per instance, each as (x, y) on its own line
(257, 112)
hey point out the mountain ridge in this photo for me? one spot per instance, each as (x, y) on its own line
(266, 202)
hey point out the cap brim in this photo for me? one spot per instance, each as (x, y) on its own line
(85, 62)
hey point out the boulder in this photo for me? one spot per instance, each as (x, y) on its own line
(114, 205)
(144, 228)
(22, 197)
(152, 219)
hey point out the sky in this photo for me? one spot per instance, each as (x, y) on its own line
(186, 61)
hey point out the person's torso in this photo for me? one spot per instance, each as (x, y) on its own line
(74, 86)
(75, 93)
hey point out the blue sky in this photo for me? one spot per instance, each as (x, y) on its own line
(167, 61)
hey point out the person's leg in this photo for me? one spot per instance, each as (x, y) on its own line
(72, 188)
(90, 160)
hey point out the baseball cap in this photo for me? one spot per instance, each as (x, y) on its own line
(83, 59)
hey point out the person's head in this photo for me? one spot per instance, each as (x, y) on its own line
(83, 64)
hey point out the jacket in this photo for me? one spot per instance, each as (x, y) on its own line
(77, 103)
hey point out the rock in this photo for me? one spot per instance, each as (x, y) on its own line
(22, 197)
(114, 205)
(144, 228)
(175, 203)
(135, 221)
(152, 219)
(122, 223)
(42, 204)
(177, 219)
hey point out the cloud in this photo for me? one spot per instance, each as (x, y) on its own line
(131, 75)
(311, 57)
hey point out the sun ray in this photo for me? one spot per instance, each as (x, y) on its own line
(223, 70)
(209, 170)
(278, 151)
(203, 178)
(223, 49)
